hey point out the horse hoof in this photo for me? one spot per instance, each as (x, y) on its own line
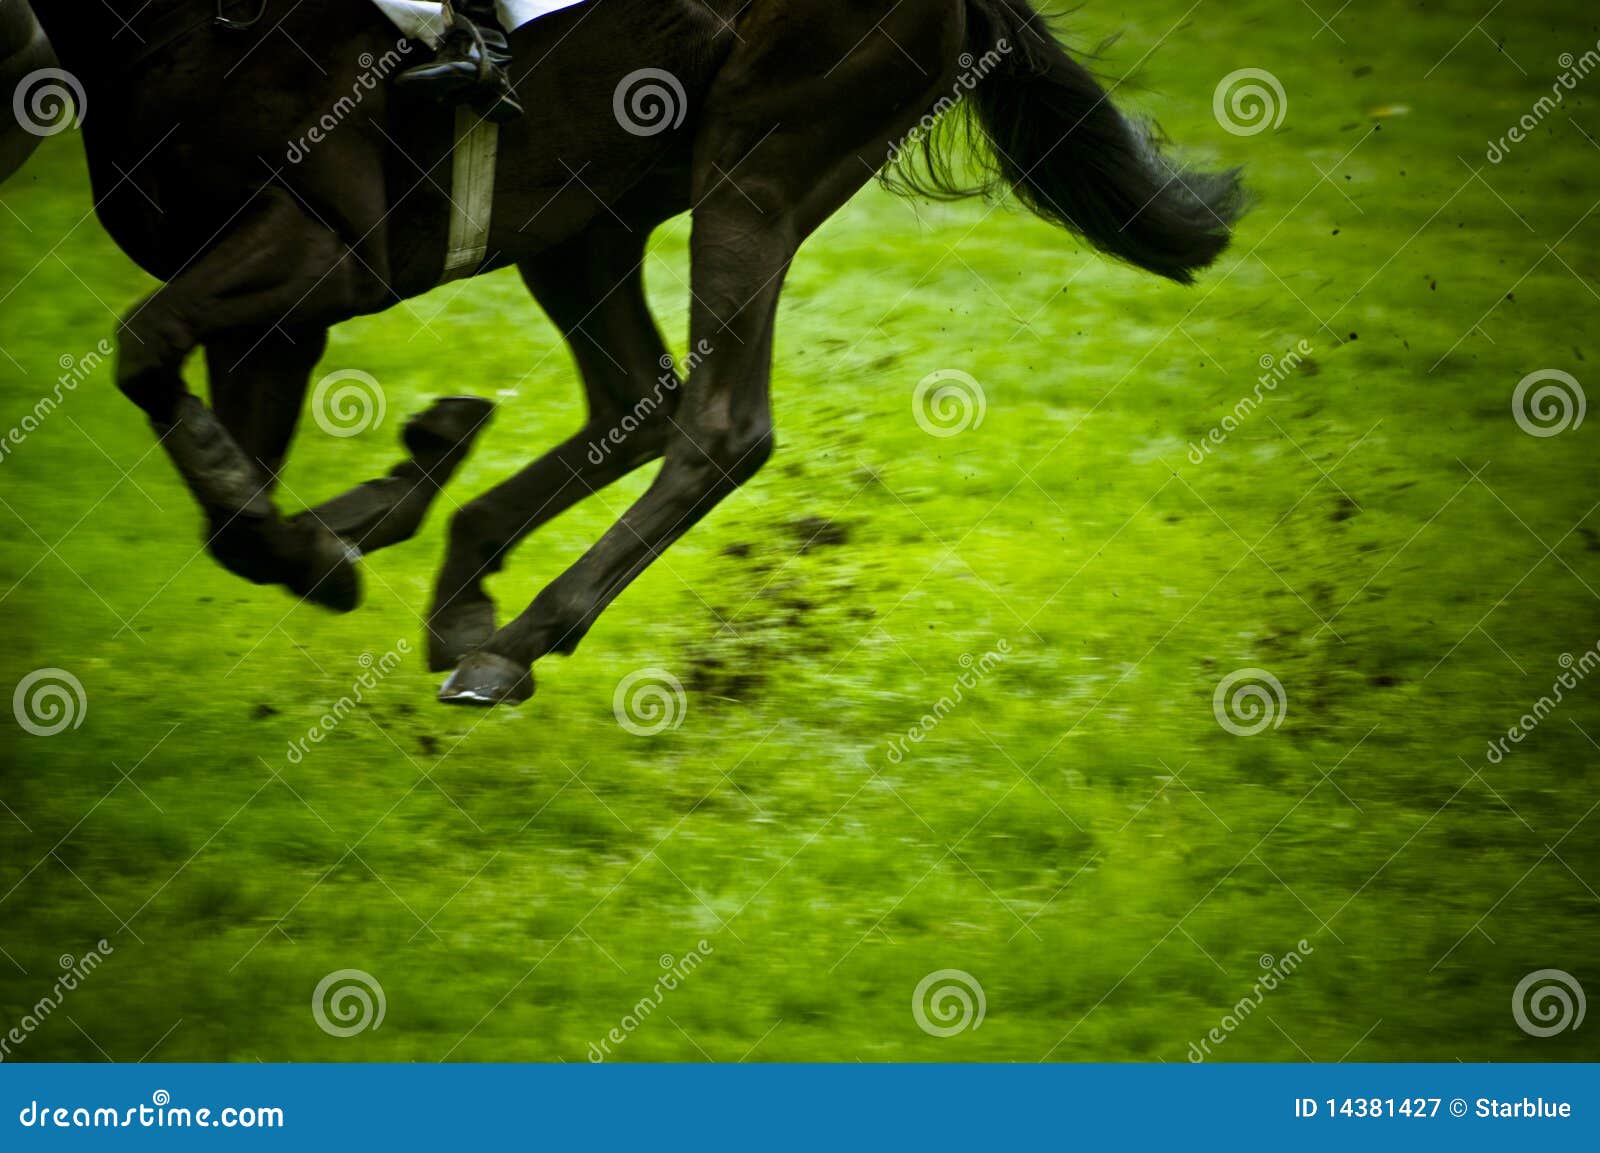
(447, 429)
(486, 679)
(301, 555)
(330, 578)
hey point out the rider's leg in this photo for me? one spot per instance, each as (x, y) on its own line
(470, 65)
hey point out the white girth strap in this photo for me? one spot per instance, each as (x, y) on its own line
(471, 194)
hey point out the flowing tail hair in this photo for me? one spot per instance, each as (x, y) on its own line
(1057, 141)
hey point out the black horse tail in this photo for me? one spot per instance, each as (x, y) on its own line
(1069, 155)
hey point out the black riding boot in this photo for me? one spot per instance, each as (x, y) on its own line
(470, 65)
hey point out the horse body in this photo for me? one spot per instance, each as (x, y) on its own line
(296, 189)
(380, 178)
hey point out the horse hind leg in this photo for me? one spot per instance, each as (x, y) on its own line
(275, 272)
(773, 163)
(592, 287)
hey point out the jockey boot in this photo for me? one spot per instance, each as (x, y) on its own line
(470, 68)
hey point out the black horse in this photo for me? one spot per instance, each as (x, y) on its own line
(295, 192)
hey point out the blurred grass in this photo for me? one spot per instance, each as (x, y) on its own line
(1081, 835)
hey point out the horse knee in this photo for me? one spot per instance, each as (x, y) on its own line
(152, 342)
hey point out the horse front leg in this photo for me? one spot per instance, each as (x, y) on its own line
(274, 273)
(258, 386)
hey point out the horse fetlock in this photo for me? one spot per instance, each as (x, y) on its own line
(457, 628)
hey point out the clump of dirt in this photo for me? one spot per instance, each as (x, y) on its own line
(813, 532)
(774, 604)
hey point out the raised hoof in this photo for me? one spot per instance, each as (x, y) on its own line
(307, 559)
(455, 632)
(447, 428)
(487, 679)
(330, 578)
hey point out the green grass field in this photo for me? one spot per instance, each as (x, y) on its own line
(1079, 834)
